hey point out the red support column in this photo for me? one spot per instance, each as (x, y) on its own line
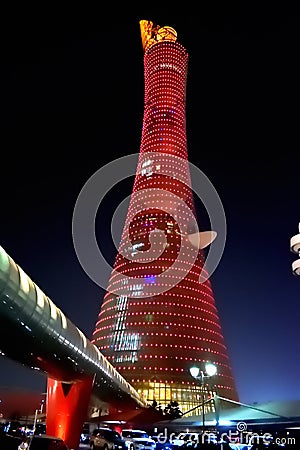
(67, 408)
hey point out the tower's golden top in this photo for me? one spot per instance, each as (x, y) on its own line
(152, 33)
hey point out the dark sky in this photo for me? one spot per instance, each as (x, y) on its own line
(73, 101)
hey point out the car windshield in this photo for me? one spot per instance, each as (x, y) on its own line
(111, 434)
(47, 444)
(134, 434)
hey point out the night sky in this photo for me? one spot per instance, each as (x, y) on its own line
(73, 101)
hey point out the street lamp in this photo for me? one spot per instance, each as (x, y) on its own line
(198, 374)
(295, 248)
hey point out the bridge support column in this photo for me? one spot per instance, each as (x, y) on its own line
(67, 408)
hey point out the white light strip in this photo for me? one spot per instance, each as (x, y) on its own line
(82, 337)
(40, 297)
(24, 283)
(53, 309)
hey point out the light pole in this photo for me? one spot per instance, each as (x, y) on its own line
(198, 374)
(36, 415)
(295, 248)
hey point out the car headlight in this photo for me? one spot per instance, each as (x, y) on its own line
(23, 446)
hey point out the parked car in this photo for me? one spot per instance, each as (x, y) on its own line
(163, 443)
(39, 428)
(13, 428)
(138, 440)
(106, 439)
(9, 442)
(183, 440)
(42, 442)
(85, 434)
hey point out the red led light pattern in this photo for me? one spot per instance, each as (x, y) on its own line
(158, 338)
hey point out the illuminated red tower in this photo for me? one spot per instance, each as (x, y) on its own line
(157, 318)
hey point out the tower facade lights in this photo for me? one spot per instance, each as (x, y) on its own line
(153, 340)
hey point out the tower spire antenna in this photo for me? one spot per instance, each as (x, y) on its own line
(152, 33)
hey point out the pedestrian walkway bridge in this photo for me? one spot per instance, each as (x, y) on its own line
(36, 333)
